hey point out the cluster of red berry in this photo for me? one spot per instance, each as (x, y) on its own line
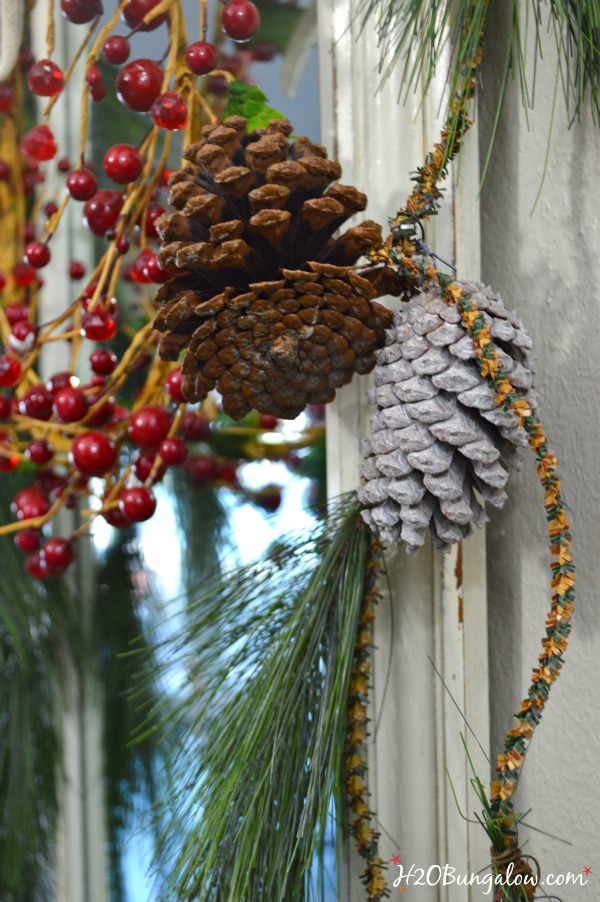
(66, 430)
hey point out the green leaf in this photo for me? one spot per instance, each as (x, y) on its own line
(250, 102)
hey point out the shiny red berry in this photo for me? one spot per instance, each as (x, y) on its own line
(7, 98)
(93, 75)
(79, 12)
(123, 163)
(174, 381)
(115, 517)
(82, 184)
(154, 271)
(37, 254)
(30, 502)
(35, 566)
(36, 403)
(63, 165)
(135, 10)
(58, 554)
(266, 421)
(137, 503)
(22, 336)
(39, 143)
(93, 453)
(23, 274)
(116, 49)
(98, 325)
(50, 208)
(144, 464)
(39, 452)
(149, 425)
(76, 270)
(45, 79)
(169, 111)
(58, 381)
(10, 371)
(201, 57)
(173, 451)
(240, 20)
(103, 361)
(70, 404)
(98, 92)
(102, 211)
(27, 539)
(139, 84)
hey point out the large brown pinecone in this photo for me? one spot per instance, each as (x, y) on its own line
(264, 301)
(438, 436)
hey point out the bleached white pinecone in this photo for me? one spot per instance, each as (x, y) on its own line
(438, 436)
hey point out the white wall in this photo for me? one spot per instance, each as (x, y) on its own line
(547, 267)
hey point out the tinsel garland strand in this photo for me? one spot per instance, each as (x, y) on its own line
(367, 838)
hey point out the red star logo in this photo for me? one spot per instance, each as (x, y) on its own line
(395, 859)
(587, 871)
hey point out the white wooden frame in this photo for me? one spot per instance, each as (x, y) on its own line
(435, 617)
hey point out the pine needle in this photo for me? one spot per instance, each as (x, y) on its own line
(262, 670)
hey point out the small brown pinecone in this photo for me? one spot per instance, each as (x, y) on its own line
(438, 436)
(264, 300)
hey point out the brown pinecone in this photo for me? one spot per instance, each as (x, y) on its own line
(264, 300)
(439, 437)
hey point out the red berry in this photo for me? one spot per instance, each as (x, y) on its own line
(93, 453)
(104, 413)
(240, 20)
(37, 254)
(173, 451)
(137, 503)
(154, 271)
(169, 111)
(122, 244)
(10, 370)
(45, 79)
(266, 421)
(82, 184)
(103, 361)
(174, 381)
(36, 403)
(144, 463)
(70, 405)
(102, 211)
(23, 274)
(39, 143)
(58, 554)
(26, 59)
(50, 208)
(93, 76)
(196, 426)
(264, 51)
(7, 98)
(227, 471)
(202, 469)
(116, 49)
(30, 502)
(135, 10)
(218, 85)
(149, 425)
(79, 12)
(22, 336)
(35, 566)
(39, 452)
(63, 165)
(61, 380)
(154, 212)
(4, 407)
(27, 539)
(76, 270)
(201, 57)
(139, 84)
(123, 163)
(98, 92)
(115, 517)
(98, 325)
